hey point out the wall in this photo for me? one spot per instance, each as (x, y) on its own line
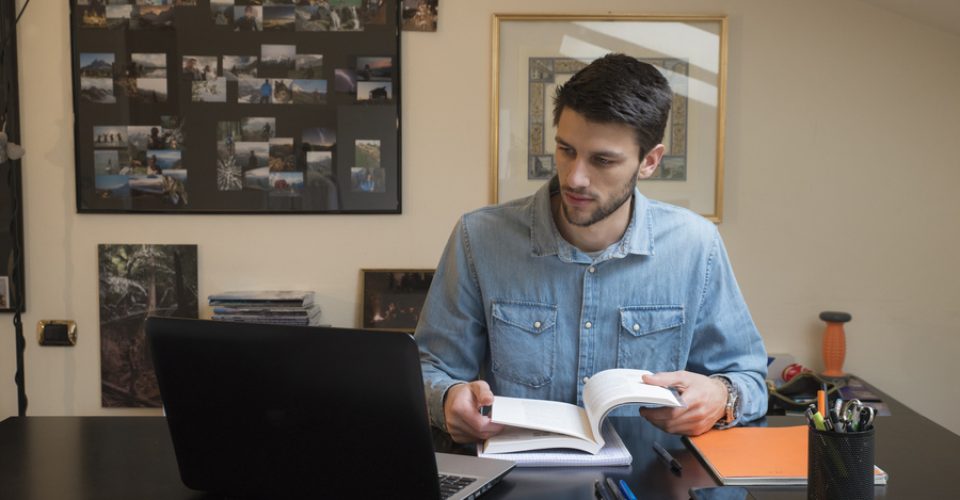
(839, 191)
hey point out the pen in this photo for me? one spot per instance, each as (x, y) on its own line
(667, 457)
(601, 491)
(626, 490)
(614, 491)
(822, 402)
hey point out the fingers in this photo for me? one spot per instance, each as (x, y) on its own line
(462, 410)
(481, 393)
(701, 394)
(679, 379)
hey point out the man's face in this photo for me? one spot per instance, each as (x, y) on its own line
(598, 165)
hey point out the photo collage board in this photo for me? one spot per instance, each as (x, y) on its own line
(237, 106)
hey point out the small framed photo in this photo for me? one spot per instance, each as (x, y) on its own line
(393, 298)
(4, 292)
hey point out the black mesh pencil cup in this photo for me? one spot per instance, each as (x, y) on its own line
(840, 465)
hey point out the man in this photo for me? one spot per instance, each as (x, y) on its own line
(536, 295)
(249, 20)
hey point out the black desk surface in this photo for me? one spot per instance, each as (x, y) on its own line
(132, 457)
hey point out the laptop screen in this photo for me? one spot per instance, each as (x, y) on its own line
(270, 410)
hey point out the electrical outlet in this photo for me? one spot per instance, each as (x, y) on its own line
(61, 332)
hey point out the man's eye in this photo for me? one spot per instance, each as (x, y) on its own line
(565, 151)
(603, 162)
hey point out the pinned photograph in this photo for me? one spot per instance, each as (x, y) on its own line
(277, 61)
(320, 181)
(147, 89)
(368, 180)
(248, 18)
(118, 16)
(319, 163)
(309, 91)
(199, 68)
(237, 67)
(171, 126)
(97, 64)
(137, 281)
(345, 81)
(374, 92)
(110, 136)
(374, 69)
(253, 155)
(282, 91)
(210, 90)
(254, 91)
(228, 133)
(258, 178)
(147, 65)
(420, 15)
(308, 66)
(282, 158)
(374, 12)
(152, 17)
(342, 15)
(319, 139)
(93, 16)
(367, 153)
(4, 292)
(106, 162)
(221, 11)
(169, 187)
(97, 90)
(258, 128)
(164, 161)
(229, 173)
(278, 18)
(138, 137)
(112, 186)
(310, 18)
(286, 183)
(158, 138)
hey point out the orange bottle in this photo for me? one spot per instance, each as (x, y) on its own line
(834, 342)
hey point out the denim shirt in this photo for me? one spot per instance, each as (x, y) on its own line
(515, 304)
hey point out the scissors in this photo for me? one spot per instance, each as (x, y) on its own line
(856, 416)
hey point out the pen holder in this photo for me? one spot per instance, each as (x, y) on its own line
(840, 465)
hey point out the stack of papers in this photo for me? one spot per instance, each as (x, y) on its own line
(278, 307)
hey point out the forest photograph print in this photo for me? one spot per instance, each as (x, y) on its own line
(137, 281)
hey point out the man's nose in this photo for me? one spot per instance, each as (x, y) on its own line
(579, 174)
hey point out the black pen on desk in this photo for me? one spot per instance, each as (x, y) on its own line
(667, 458)
(614, 490)
(600, 490)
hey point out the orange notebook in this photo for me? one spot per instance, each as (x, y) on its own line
(759, 455)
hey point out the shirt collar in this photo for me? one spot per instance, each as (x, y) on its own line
(545, 238)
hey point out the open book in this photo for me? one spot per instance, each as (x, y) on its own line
(535, 424)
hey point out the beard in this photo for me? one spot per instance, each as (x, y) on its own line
(603, 211)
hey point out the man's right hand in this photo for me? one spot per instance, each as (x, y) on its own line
(462, 412)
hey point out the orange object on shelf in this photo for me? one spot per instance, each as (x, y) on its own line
(834, 342)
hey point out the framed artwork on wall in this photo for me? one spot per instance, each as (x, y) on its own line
(393, 298)
(230, 106)
(12, 265)
(535, 54)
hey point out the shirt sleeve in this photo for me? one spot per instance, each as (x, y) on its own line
(451, 333)
(725, 339)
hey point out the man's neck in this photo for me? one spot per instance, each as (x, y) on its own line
(597, 236)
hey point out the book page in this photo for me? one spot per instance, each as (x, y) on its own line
(553, 416)
(611, 388)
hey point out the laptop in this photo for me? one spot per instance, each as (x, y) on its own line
(290, 412)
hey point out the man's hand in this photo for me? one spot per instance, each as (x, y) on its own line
(462, 412)
(706, 400)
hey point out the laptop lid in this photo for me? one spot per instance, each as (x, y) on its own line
(274, 410)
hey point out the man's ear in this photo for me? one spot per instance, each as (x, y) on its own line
(649, 163)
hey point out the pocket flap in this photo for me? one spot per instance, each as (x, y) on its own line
(644, 320)
(527, 316)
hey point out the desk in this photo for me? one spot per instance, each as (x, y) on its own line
(132, 457)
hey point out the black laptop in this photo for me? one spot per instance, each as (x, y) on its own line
(303, 412)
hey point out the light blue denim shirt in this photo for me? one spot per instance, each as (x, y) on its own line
(515, 304)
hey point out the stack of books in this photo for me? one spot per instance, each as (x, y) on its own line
(276, 307)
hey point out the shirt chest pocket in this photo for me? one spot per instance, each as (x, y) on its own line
(523, 341)
(651, 337)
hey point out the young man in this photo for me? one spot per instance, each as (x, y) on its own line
(534, 296)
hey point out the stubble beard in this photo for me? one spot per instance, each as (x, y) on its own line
(603, 211)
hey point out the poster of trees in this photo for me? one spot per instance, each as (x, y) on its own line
(137, 281)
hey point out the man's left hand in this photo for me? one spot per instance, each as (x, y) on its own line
(706, 400)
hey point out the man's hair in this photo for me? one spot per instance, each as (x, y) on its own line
(619, 89)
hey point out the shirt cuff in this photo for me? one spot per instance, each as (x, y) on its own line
(439, 396)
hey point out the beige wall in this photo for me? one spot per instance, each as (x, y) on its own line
(840, 191)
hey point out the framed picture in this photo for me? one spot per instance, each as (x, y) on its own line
(534, 54)
(392, 298)
(11, 201)
(230, 106)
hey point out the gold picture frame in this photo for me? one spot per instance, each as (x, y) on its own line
(392, 299)
(534, 53)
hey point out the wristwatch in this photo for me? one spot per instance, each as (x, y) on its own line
(730, 410)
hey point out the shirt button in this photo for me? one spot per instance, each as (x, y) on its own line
(536, 325)
(592, 269)
(585, 379)
(588, 325)
(636, 327)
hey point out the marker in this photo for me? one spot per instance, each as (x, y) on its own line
(626, 490)
(614, 491)
(818, 422)
(822, 402)
(601, 491)
(666, 457)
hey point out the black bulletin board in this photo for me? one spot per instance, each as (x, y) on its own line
(237, 106)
